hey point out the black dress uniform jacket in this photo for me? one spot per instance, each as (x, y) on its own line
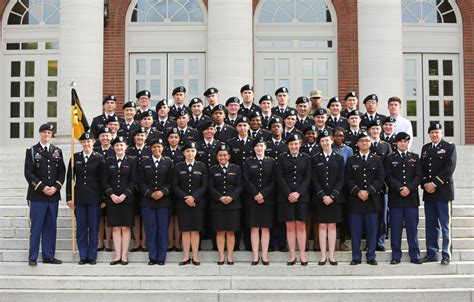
(246, 111)
(230, 122)
(341, 122)
(99, 122)
(364, 122)
(293, 175)
(44, 169)
(275, 149)
(225, 133)
(152, 135)
(139, 111)
(105, 153)
(152, 178)
(266, 121)
(389, 139)
(276, 111)
(259, 178)
(127, 130)
(139, 154)
(175, 155)
(400, 172)
(207, 154)
(240, 151)
(267, 135)
(188, 135)
(192, 183)
(351, 140)
(87, 186)
(346, 111)
(303, 123)
(174, 111)
(365, 175)
(195, 124)
(438, 167)
(121, 180)
(293, 131)
(328, 177)
(163, 126)
(225, 184)
(383, 149)
(311, 149)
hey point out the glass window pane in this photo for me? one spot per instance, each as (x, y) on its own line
(29, 109)
(448, 87)
(410, 67)
(29, 45)
(448, 108)
(282, 44)
(434, 87)
(178, 67)
(449, 17)
(141, 67)
(194, 87)
(52, 45)
(29, 130)
(155, 88)
(14, 130)
(411, 108)
(447, 67)
(15, 69)
(52, 88)
(193, 66)
(433, 67)
(15, 89)
(29, 68)
(139, 85)
(283, 67)
(322, 67)
(29, 89)
(434, 108)
(307, 85)
(13, 46)
(269, 87)
(449, 128)
(265, 44)
(307, 65)
(52, 109)
(14, 109)
(284, 83)
(155, 67)
(410, 88)
(323, 86)
(269, 67)
(415, 129)
(178, 82)
(53, 68)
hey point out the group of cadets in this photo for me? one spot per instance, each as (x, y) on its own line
(262, 174)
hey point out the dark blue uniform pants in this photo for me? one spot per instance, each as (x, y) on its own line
(87, 219)
(438, 214)
(411, 218)
(43, 215)
(383, 222)
(357, 223)
(156, 222)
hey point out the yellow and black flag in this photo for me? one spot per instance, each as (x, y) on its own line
(78, 118)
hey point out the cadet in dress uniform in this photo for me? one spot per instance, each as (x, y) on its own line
(371, 102)
(248, 107)
(224, 132)
(212, 96)
(282, 96)
(225, 186)
(232, 105)
(88, 169)
(146, 120)
(365, 178)
(207, 148)
(354, 130)
(438, 159)
(265, 103)
(302, 119)
(289, 120)
(328, 185)
(155, 177)
(197, 116)
(293, 179)
(335, 118)
(109, 105)
(403, 175)
(113, 124)
(144, 102)
(256, 130)
(259, 181)
(163, 123)
(320, 118)
(351, 103)
(119, 180)
(44, 172)
(311, 146)
(186, 133)
(129, 124)
(388, 131)
(179, 95)
(189, 186)
(139, 151)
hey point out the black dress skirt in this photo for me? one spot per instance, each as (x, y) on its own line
(190, 219)
(120, 215)
(259, 215)
(328, 214)
(293, 211)
(225, 220)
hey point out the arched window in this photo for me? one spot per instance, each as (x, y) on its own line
(167, 11)
(294, 11)
(427, 11)
(34, 12)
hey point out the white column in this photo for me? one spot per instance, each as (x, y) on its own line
(80, 60)
(380, 49)
(230, 46)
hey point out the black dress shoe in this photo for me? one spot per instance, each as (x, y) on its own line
(372, 262)
(380, 248)
(196, 263)
(395, 261)
(32, 263)
(255, 262)
(92, 262)
(429, 260)
(416, 261)
(333, 262)
(101, 249)
(83, 261)
(161, 263)
(52, 261)
(445, 261)
(355, 262)
(266, 263)
(322, 262)
(108, 249)
(185, 262)
(290, 263)
(304, 263)
(170, 249)
(151, 262)
(125, 262)
(135, 249)
(178, 249)
(115, 262)
(220, 262)
(230, 262)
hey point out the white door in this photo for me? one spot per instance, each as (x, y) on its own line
(30, 97)
(162, 72)
(432, 95)
(299, 72)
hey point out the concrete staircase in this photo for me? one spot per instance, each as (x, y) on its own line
(240, 282)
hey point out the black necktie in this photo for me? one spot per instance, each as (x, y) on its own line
(218, 129)
(254, 134)
(128, 126)
(190, 167)
(403, 155)
(387, 138)
(162, 123)
(277, 143)
(224, 169)
(375, 145)
(327, 157)
(266, 118)
(363, 157)
(370, 118)
(119, 162)
(335, 120)
(86, 158)
(156, 163)
(45, 149)
(181, 132)
(209, 145)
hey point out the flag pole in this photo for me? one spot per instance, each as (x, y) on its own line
(73, 221)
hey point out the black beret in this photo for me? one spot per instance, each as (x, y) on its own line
(109, 98)
(160, 104)
(362, 134)
(293, 137)
(320, 111)
(139, 130)
(301, 100)
(129, 104)
(350, 94)
(353, 112)
(172, 131)
(206, 125)
(402, 135)
(179, 89)
(374, 123)
(310, 128)
(258, 140)
(181, 113)
(223, 147)
(232, 99)
(281, 90)
(210, 91)
(324, 133)
(45, 127)
(254, 114)
(242, 119)
(119, 139)
(112, 119)
(275, 120)
(246, 87)
(219, 107)
(143, 93)
(103, 130)
(389, 119)
(195, 100)
(86, 136)
(154, 141)
(291, 112)
(371, 97)
(189, 145)
(436, 126)
(264, 98)
(334, 99)
(146, 114)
